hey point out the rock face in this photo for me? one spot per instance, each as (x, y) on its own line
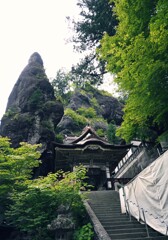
(107, 108)
(32, 112)
(78, 100)
(111, 108)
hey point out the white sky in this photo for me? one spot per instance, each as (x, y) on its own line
(28, 26)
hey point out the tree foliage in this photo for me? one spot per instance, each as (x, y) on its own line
(16, 166)
(78, 119)
(137, 54)
(36, 207)
(87, 112)
(111, 134)
(89, 69)
(85, 233)
(64, 82)
(61, 83)
(31, 205)
(96, 17)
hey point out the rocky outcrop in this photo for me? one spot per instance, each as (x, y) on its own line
(108, 110)
(67, 126)
(111, 108)
(79, 99)
(32, 112)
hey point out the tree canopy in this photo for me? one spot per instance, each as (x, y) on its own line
(96, 17)
(137, 55)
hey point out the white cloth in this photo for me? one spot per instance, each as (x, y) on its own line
(149, 190)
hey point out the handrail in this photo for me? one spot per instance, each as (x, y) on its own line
(127, 201)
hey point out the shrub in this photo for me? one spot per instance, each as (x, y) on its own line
(78, 119)
(94, 102)
(84, 233)
(11, 112)
(59, 138)
(36, 100)
(47, 125)
(87, 112)
(100, 132)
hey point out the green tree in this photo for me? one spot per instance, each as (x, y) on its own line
(31, 205)
(61, 83)
(96, 17)
(16, 166)
(137, 54)
(64, 82)
(36, 207)
(111, 134)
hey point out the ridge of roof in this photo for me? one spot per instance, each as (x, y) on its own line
(86, 131)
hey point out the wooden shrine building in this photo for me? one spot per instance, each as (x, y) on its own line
(96, 154)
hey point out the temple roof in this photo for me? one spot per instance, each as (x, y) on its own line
(89, 146)
(88, 137)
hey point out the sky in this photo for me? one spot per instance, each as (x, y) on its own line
(28, 26)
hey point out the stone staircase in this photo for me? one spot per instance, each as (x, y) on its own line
(106, 206)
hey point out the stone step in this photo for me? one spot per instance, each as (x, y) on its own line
(109, 226)
(114, 220)
(106, 206)
(147, 238)
(114, 216)
(137, 229)
(125, 231)
(137, 234)
(106, 210)
(111, 214)
(117, 208)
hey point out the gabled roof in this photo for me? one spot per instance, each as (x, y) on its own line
(88, 134)
(89, 137)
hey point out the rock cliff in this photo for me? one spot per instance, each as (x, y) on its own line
(93, 107)
(32, 112)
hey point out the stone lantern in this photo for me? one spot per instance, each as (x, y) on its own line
(63, 225)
